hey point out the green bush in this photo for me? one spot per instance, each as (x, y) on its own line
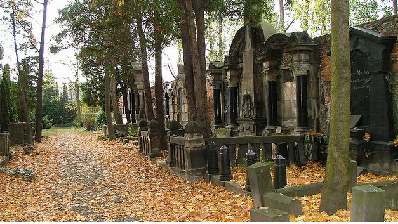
(47, 122)
(133, 130)
(173, 125)
(100, 119)
(88, 121)
(143, 123)
(154, 124)
(193, 127)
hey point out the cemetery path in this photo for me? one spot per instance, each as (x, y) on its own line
(82, 179)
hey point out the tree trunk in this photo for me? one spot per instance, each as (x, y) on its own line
(115, 102)
(188, 70)
(394, 7)
(200, 69)
(20, 81)
(126, 103)
(109, 123)
(334, 192)
(159, 93)
(39, 97)
(145, 72)
(281, 16)
(79, 110)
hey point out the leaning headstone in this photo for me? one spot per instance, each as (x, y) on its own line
(260, 182)
(268, 215)
(282, 202)
(368, 204)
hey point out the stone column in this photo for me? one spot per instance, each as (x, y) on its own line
(271, 71)
(233, 94)
(217, 107)
(301, 70)
(302, 108)
(217, 83)
(132, 106)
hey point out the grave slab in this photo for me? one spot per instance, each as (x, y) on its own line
(259, 175)
(268, 215)
(282, 202)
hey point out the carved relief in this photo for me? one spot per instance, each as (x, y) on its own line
(247, 106)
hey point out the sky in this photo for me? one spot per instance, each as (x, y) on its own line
(63, 64)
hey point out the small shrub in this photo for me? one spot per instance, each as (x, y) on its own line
(88, 121)
(193, 127)
(154, 124)
(133, 130)
(174, 125)
(143, 123)
(100, 119)
(47, 122)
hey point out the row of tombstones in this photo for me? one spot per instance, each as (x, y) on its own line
(368, 201)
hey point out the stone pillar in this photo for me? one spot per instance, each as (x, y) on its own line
(271, 72)
(302, 108)
(233, 94)
(232, 80)
(217, 106)
(132, 107)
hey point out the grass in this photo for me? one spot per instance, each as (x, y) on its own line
(57, 130)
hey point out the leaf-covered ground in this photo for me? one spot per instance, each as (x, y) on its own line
(82, 179)
(313, 173)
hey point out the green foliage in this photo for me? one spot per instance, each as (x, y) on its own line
(88, 121)
(193, 127)
(57, 109)
(314, 15)
(100, 119)
(143, 123)
(173, 125)
(47, 122)
(133, 131)
(153, 124)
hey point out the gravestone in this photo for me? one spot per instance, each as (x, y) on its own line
(260, 182)
(19, 133)
(370, 95)
(282, 202)
(4, 144)
(368, 204)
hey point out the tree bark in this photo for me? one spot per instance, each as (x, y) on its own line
(115, 101)
(188, 70)
(39, 97)
(159, 93)
(144, 61)
(20, 80)
(334, 192)
(109, 123)
(394, 7)
(200, 68)
(281, 16)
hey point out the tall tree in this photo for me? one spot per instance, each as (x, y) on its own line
(39, 102)
(334, 192)
(144, 62)
(20, 73)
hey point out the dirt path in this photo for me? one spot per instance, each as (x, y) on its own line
(82, 179)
